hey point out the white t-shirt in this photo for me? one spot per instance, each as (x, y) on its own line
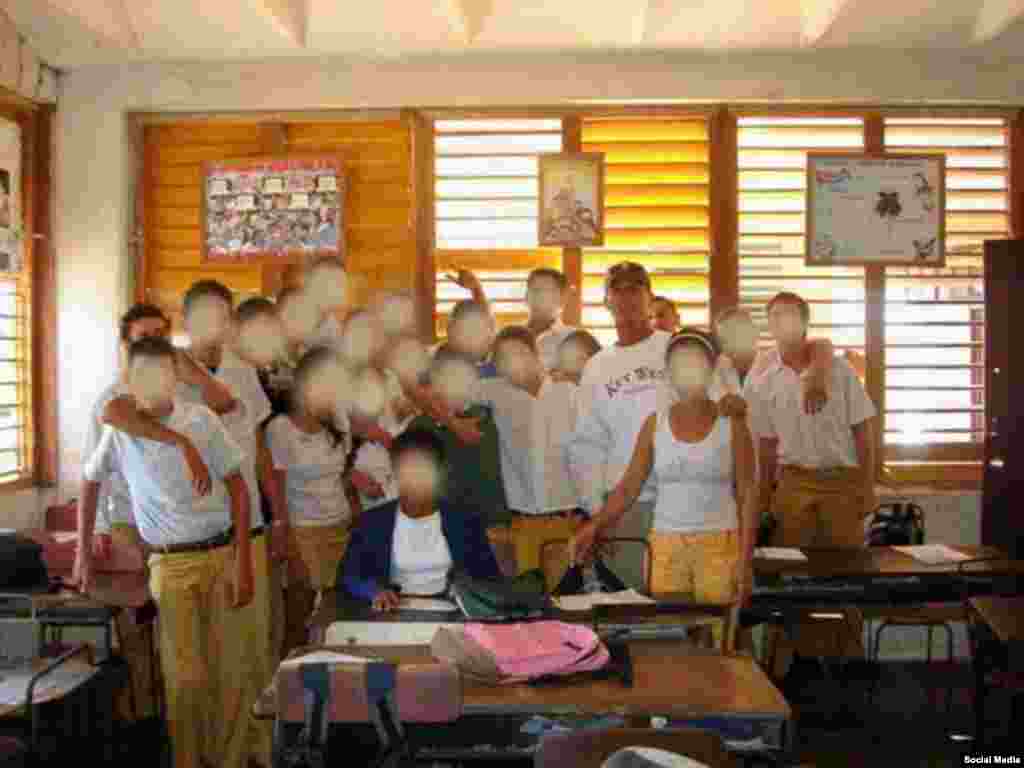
(242, 421)
(114, 505)
(165, 505)
(820, 441)
(549, 341)
(420, 555)
(313, 467)
(532, 433)
(620, 387)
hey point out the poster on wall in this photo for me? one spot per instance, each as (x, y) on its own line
(273, 209)
(571, 200)
(876, 209)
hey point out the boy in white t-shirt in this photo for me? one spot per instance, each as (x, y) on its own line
(201, 570)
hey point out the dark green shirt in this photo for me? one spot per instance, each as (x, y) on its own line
(474, 471)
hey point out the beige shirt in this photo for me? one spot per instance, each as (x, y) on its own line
(820, 441)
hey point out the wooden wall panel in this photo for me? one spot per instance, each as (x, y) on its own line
(380, 249)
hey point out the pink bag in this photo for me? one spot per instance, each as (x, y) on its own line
(527, 651)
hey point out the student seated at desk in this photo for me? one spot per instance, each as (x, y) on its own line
(409, 545)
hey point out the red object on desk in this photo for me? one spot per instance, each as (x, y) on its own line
(60, 547)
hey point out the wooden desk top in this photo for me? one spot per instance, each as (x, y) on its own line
(58, 684)
(867, 562)
(669, 679)
(1003, 615)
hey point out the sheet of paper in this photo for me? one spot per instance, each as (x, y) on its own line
(425, 604)
(933, 554)
(325, 657)
(780, 553)
(383, 633)
(14, 683)
(586, 602)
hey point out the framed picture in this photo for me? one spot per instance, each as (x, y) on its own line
(571, 200)
(261, 209)
(885, 210)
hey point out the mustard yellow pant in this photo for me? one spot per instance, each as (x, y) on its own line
(255, 621)
(819, 509)
(500, 539)
(530, 532)
(314, 554)
(207, 654)
(701, 565)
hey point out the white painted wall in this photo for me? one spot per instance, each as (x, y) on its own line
(91, 187)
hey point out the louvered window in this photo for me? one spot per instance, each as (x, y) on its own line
(772, 164)
(14, 381)
(656, 212)
(934, 318)
(486, 204)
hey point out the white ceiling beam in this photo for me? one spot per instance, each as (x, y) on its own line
(108, 20)
(289, 17)
(817, 18)
(995, 16)
(467, 17)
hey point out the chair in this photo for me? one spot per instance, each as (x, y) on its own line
(929, 616)
(382, 694)
(554, 558)
(589, 749)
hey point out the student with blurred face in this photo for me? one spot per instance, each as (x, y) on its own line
(408, 546)
(115, 522)
(309, 447)
(665, 315)
(535, 416)
(702, 464)
(201, 566)
(824, 461)
(217, 377)
(573, 354)
(620, 387)
(546, 293)
(471, 333)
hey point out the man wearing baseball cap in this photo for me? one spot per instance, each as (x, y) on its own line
(620, 387)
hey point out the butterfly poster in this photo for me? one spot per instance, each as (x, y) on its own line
(876, 209)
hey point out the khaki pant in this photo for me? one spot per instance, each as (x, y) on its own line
(314, 554)
(529, 532)
(815, 508)
(500, 538)
(700, 565)
(205, 656)
(255, 622)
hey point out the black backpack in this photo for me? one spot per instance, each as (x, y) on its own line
(21, 563)
(900, 523)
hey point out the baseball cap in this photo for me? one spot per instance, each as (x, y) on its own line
(626, 271)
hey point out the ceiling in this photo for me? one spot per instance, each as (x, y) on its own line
(70, 34)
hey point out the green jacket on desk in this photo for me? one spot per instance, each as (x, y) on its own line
(474, 471)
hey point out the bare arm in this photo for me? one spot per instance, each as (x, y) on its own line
(216, 396)
(123, 414)
(744, 472)
(86, 523)
(273, 483)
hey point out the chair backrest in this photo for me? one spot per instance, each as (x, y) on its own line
(554, 559)
(589, 749)
(423, 693)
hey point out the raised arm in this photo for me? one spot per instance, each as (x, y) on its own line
(216, 395)
(819, 372)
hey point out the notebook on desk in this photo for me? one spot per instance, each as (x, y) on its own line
(383, 633)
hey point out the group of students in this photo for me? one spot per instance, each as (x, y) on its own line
(354, 459)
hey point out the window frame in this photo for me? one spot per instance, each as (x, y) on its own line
(38, 286)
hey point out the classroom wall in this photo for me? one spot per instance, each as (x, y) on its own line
(378, 202)
(93, 262)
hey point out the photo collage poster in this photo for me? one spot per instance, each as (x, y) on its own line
(276, 208)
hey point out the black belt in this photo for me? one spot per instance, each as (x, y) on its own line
(562, 513)
(214, 542)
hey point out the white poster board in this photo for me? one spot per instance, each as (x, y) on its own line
(880, 209)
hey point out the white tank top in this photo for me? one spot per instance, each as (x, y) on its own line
(694, 480)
